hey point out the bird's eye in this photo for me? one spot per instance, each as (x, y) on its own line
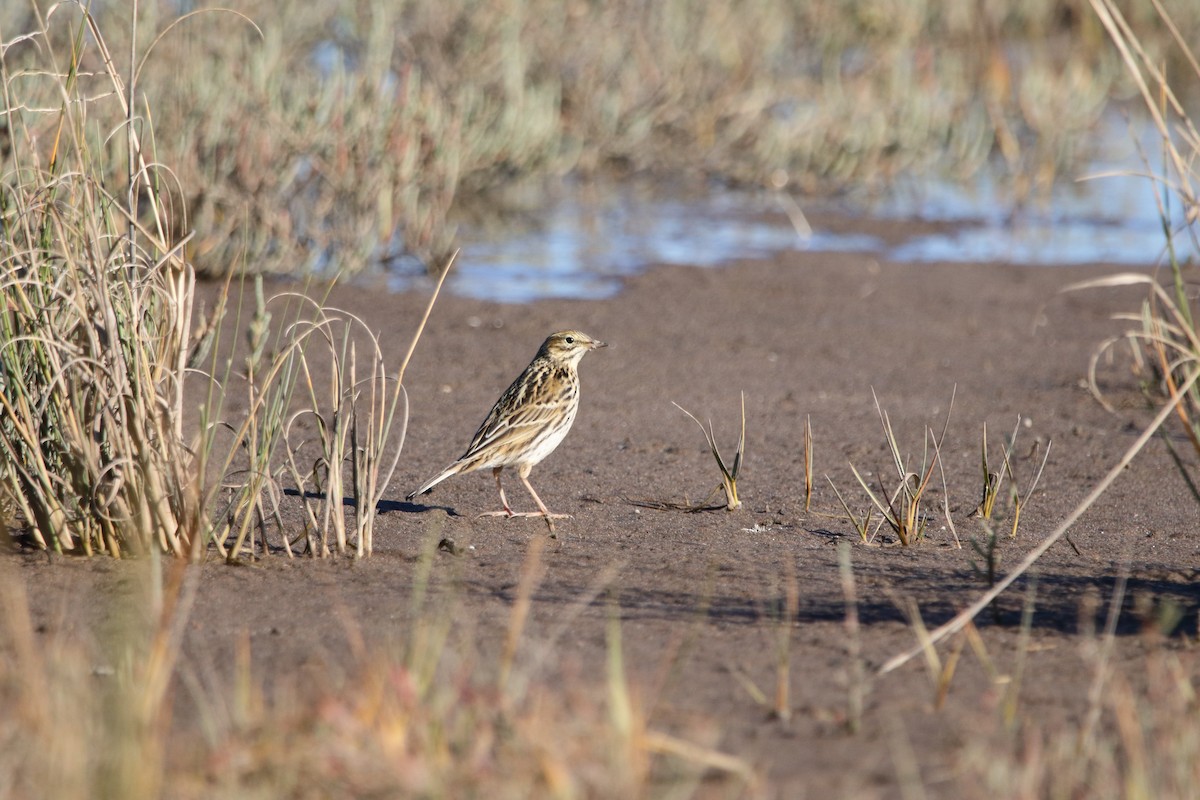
(570, 340)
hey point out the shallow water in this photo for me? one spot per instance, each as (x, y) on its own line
(585, 242)
(579, 241)
(1108, 215)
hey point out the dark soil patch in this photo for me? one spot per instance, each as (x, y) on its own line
(700, 594)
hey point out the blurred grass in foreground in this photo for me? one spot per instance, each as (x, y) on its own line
(340, 134)
(130, 708)
(1164, 340)
(424, 715)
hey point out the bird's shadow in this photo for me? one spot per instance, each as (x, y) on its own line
(382, 507)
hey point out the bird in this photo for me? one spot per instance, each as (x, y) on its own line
(528, 422)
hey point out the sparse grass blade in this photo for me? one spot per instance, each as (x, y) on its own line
(808, 462)
(1012, 694)
(988, 550)
(729, 472)
(532, 571)
(857, 683)
(992, 480)
(941, 462)
(789, 614)
(1020, 501)
(861, 524)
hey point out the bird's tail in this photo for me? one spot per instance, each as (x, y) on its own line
(448, 472)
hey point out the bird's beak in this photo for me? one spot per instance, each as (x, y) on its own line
(597, 344)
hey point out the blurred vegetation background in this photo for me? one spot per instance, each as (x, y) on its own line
(138, 138)
(341, 134)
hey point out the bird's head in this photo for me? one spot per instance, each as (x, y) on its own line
(569, 346)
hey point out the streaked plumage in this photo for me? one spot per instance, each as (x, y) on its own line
(529, 420)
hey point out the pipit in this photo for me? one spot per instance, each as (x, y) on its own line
(529, 420)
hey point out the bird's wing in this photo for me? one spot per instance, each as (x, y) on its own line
(521, 413)
(513, 428)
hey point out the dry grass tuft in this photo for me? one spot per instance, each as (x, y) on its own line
(98, 304)
(900, 508)
(100, 450)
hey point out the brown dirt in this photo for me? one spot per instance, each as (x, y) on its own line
(699, 593)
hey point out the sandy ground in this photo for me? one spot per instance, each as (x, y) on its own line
(700, 595)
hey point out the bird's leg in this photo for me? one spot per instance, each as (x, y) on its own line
(507, 512)
(546, 515)
(542, 506)
(542, 511)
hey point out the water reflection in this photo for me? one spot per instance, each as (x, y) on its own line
(576, 241)
(1109, 215)
(586, 242)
